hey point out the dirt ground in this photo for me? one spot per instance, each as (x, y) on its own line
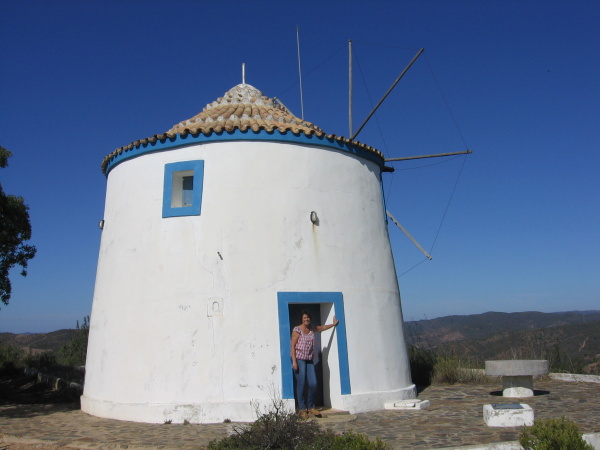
(16, 389)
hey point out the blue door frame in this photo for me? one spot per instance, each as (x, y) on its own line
(284, 299)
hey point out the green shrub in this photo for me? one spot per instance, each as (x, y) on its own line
(446, 370)
(276, 428)
(452, 369)
(562, 362)
(280, 428)
(428, 366)
(553, 434)
(75, 351)
(44, 362)
(11, 358)
(422, 362)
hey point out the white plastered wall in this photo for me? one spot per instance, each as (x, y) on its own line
(156, 350)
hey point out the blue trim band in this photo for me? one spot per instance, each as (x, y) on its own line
(239, 135)
(284, 299)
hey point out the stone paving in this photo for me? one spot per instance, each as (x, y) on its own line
(453, 419)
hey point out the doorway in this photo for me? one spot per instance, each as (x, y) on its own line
(314, 309)
(335, 376)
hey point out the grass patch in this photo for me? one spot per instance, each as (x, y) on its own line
(454, 369)
(427, 367)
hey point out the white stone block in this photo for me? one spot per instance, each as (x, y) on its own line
(508, 415)
(517, 386)
(593, 439)
(408, 404)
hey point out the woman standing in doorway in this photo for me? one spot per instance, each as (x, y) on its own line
(302, 351)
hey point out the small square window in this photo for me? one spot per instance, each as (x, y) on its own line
(182, 189)
(182, 194)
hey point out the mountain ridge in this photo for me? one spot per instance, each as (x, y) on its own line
(570, 340)
(569, 337)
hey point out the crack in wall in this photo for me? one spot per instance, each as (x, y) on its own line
(284, 275)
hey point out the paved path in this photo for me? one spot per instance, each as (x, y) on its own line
(33, 417)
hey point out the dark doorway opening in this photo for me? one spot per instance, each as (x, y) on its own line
(295, 312)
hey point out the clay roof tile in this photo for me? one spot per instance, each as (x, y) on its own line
(241, 107)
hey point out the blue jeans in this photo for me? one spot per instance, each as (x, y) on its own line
(306, 372)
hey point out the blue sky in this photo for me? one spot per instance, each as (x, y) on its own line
(517, 82)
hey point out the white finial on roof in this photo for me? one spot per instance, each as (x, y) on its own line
(243, 73)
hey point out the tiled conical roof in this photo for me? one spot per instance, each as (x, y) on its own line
(243, 108)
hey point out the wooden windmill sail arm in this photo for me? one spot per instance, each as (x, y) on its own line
(408, 235)
(435, 155)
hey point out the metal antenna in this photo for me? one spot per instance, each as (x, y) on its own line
(300, 70)
(350, 86)
(243, 73)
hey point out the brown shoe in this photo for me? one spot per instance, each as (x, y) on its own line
(304, 414)
(315, 412)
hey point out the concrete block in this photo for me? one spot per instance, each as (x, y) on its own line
(408, 404)
(516, 367)
(508, 415)
(593, 439)
(517, 375)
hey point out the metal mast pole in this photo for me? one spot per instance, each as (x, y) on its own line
(350, 86)
(300, 70)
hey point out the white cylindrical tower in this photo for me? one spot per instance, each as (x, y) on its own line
(216, 234)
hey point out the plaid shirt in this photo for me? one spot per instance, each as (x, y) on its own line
(305, 345)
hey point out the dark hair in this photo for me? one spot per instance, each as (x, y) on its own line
(307, 313)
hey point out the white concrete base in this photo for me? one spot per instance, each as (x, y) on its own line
(194, 413)
(498, 415)
(236, 411)
(373, 401)
(517, 386)
(575, 377)
(407, 404)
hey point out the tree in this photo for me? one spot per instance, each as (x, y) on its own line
(75, 351)
(15, 229)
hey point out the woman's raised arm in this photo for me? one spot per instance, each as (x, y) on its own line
(327, 327)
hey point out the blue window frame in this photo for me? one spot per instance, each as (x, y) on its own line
(182, 190)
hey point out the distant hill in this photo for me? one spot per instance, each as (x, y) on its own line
(475, 326)
(570, 340)
(39, 341)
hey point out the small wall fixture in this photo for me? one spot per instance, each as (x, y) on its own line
(101, 224)
(314, 218)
